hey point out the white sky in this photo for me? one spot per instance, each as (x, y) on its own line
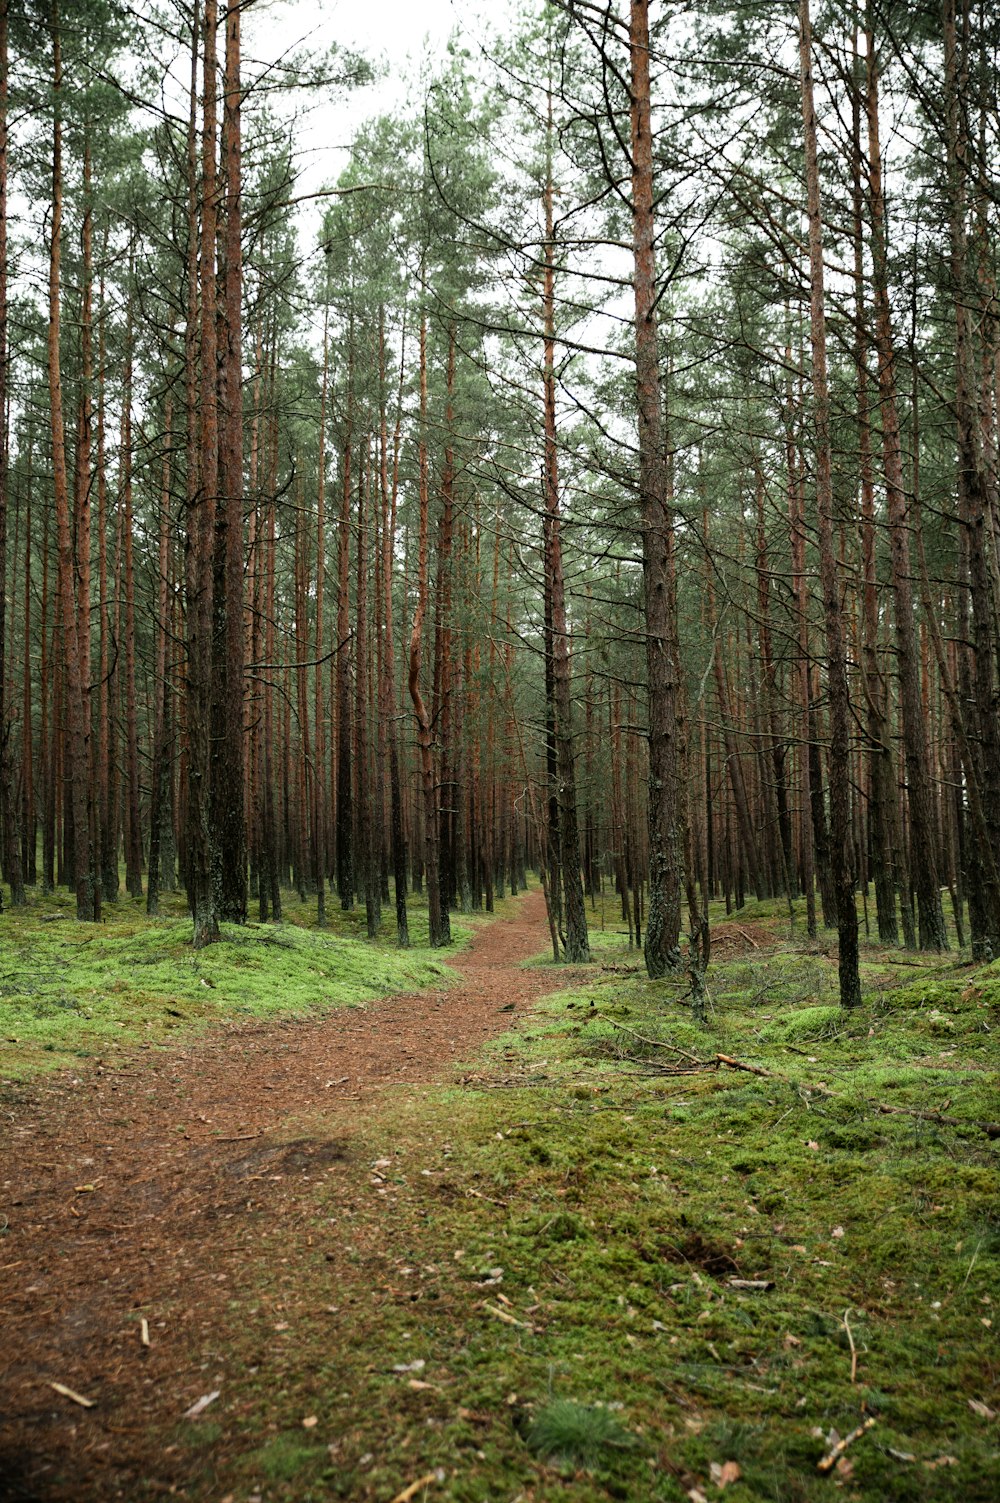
(395, 27)
(395, 33)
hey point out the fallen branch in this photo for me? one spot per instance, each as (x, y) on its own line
(739, 1064)
(991, 1129)
(73, 1396)
(508, 1320)
(829, 1461)
(414, 1487)
(657, 1043)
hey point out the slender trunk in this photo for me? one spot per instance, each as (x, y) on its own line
(664, 918)
(838, 689)
(369, 864)
(800, 596)
(76, 670)
(133, 831)
(776, 744)
(881, 790)
(734, 762)
(319, 728)
(923, 860)
(441, 701)
(28, 814)
(158, 800)
(389, 503)
(977, 543)
(227, 812)
(438, 923)
(9, 834)
(345, 811)
(203, 487)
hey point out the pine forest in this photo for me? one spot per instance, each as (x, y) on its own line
(499, 750)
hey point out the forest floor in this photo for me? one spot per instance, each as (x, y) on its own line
(488, 1243)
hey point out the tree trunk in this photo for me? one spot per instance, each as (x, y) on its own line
(389, 502)
(978, 664)
(202, 492)
(839, 696)
(369, 864)
(664, 918)
(437, 916)
(345, 812)
(76, 670)
(158, 801)
(9, 834)
(228, 771)
(133, 829)
(923, 855)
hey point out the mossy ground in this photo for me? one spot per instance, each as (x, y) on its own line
(71, 992)
(517, 1285)
(559, 1234)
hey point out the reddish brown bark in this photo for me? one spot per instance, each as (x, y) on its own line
(439, 927)
(228, 770)
(203, 487)
(133, 830)
(76, 669)
(9, 833)
(663, 924)
(345, 804)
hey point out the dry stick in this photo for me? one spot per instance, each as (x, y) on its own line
(975, 1255)
(70, 1393)
(656, 1043)
(738, 1064)
(414, 1487)
(850, 1342)
(833, 1456)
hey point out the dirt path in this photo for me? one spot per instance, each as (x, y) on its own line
(136, 1189)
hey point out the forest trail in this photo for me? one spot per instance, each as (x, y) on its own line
(141, 1190)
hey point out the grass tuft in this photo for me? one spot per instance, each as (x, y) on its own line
(575, 1434)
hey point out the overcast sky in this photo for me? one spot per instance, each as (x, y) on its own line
(393, 27)
(397, 34)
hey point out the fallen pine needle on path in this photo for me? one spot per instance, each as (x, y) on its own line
(155, 1199)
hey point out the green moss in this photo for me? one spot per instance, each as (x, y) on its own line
(817, 1022)
(70, 992)
(285, 1458)
(575, 1236)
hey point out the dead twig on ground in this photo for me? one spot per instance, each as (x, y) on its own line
(829, 1461)
(656, 1043)
(850, 1342)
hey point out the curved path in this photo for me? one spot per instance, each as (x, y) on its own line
(126, 1192)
